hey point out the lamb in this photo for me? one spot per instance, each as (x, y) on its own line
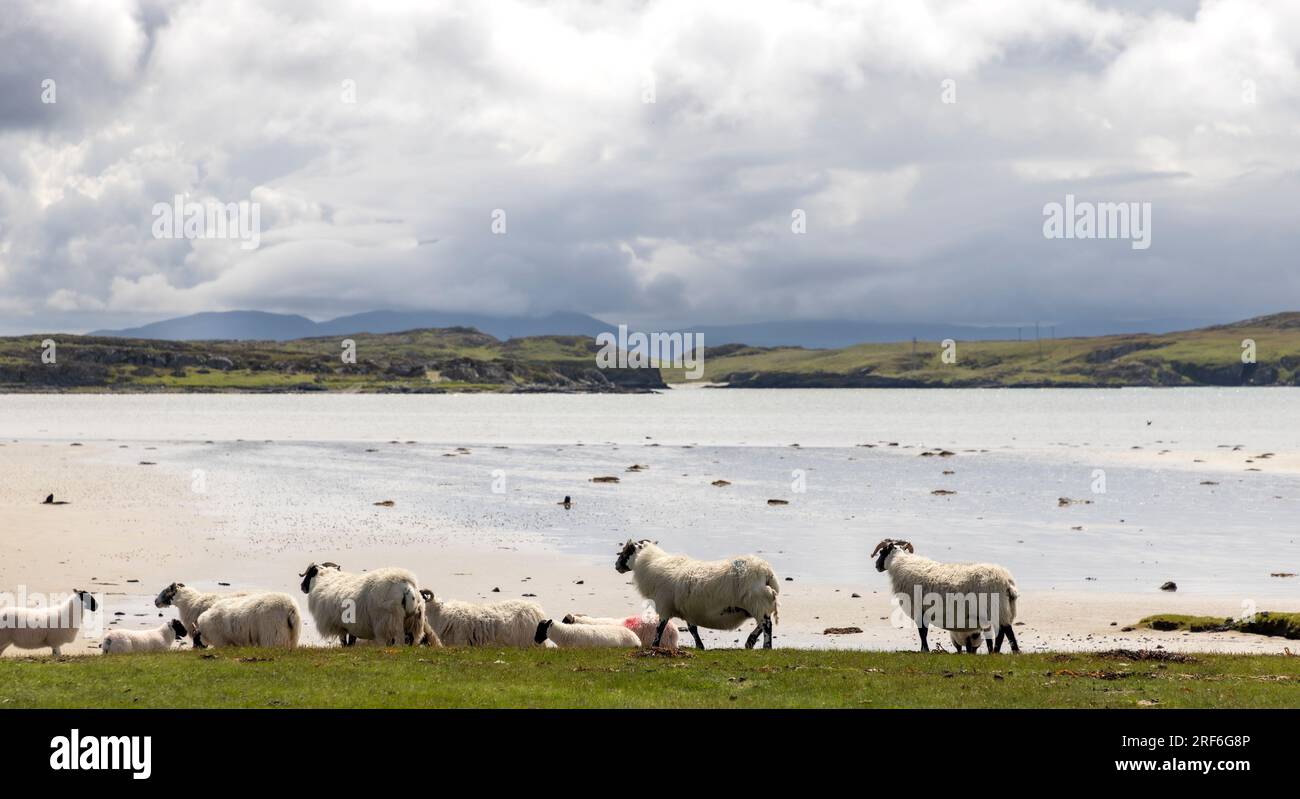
(646, 628)
(55, 626)
(509, 623)
(966, 597)
(159, 639)
(267, 619)
(381, 605)
(585, 636)
(967, 639)
(717, 594)
(190, 602)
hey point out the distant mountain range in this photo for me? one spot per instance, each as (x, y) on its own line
(263, 326)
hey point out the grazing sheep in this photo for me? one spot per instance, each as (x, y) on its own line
(646, 628)
(264, 619)
(585, 636)
(509, 623)
(190, 602)
(159, 639)
(381, 605)
(718, 594)
(950, 595)
(55, 626)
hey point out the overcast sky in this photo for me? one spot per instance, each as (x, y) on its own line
(671, 211)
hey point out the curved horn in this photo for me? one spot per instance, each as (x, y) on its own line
(881, 546)
(906, 545)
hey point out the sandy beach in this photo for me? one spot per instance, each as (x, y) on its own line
(134, 524)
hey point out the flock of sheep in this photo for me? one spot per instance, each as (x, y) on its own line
(387, 607)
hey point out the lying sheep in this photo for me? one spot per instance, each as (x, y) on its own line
(585, 636)
(55, 626)
(159, 639)
(509, 623)
(264, 619)
(970, 596)
(190, 602)
(718, 594)
(646, 628)
(382, 605)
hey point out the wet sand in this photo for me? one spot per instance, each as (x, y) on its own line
(131, 529)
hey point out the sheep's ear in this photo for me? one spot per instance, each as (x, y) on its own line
(568, 618)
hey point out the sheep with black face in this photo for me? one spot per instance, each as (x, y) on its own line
(718, 595)
(191, 602)
(55, 626)
(966, 597)
(382, 605)
(158, 639)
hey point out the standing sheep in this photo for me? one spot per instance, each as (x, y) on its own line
(381, 605)
(585, 636)
(266, 619)
(190, 602)
(718, 594)
(953, 596)
(55, 626)
(159, 639)
(646, 628)
(510, 623)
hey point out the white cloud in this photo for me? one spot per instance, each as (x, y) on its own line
(678, 208)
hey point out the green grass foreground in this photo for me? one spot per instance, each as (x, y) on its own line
(550, 678)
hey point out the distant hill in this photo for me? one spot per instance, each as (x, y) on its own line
(415, 361)
(1210, 356)
(262, 326)
(465, 359)
(824, 334)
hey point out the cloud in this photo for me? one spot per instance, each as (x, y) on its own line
(379, 141)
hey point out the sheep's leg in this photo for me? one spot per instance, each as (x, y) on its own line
(923, 632)
(767, 632)
(971, 648)
(659, 632)
(753, 637)
(695, 633)
(1011, 636)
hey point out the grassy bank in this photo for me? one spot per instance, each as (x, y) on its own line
(1285, 625)
(549, 678)
(1207, 356)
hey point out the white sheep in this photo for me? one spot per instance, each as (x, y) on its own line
(509, 623)
(645, 627)
(269, 619)
(381, 605)
(55, 626)
(158, 639)
(966, 597)
(718, 594)
(190, 602)
(585, 636)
